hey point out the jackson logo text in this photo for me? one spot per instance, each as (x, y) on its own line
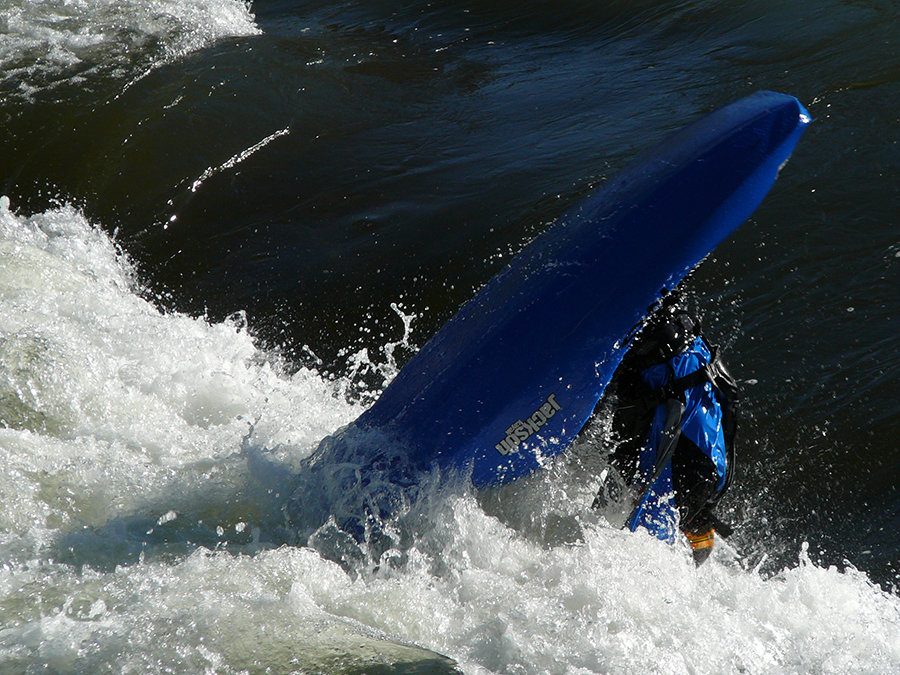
(522, 430)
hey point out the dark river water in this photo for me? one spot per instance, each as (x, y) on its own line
(221, 213)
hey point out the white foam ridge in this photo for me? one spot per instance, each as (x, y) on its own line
(113, 397)
(47, 42)
(134, 527)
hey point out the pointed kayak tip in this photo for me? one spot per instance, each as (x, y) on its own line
(803, 116)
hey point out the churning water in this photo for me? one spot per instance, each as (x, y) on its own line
(227, 225)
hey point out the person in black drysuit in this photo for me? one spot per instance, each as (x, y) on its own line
(673, 424)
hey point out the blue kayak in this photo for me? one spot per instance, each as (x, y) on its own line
(509, 382)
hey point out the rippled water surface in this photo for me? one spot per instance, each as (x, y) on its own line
(226, 225)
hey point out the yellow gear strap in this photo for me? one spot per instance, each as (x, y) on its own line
(701, 540)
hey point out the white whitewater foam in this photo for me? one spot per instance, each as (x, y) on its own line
(112, 410)
(47, 42)
(102, 393)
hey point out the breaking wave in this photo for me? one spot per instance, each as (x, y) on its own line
(48, 43)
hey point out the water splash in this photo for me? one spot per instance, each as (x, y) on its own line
(137, 532)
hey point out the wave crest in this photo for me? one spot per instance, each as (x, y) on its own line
(45, 44)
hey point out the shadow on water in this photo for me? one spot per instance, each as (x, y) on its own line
(238, 515)
(268, 507)
(243, 515)
(357, 501)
